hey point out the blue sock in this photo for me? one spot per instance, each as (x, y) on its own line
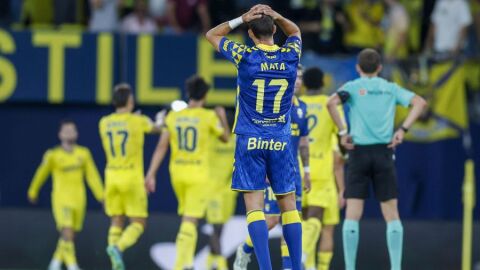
(247, 249)
(292, 232)
(350, 243)
(395, 243)
(286, 261)
(258, 230)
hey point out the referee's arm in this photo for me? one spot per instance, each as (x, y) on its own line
(332, 105)
(417, 104)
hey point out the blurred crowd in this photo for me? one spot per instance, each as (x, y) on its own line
(397, 27)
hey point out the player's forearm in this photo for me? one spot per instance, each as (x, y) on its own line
(418, 105)
(39, 179)
(332, 107)
(288, 27)
(338, 167)
(215, 35)
(304, 150)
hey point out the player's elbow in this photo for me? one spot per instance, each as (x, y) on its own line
(419, 102)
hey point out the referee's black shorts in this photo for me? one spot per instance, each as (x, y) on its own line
(371, 164)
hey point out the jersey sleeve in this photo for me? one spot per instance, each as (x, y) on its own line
(146, 124)
(93, 177)
(215, 125)
(41, 175)
(403, 96)
(232, 50)
(293, 46)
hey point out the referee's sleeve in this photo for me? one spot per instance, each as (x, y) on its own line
(403, 96)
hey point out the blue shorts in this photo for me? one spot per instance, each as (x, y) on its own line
(271, 207)
(257, 158)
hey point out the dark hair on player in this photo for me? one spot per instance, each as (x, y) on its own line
(196, 87)
(262, 27)
(121, 94)
(65, 122)
(369, 60)
(313, 78)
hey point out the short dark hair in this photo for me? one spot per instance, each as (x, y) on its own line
(369, 60)
(262, 27)
(196, 87)
(121, 94)
(65, 122)
(313, 78)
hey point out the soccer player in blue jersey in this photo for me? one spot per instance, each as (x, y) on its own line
(300, 145)
(266, 79)
(371, 142)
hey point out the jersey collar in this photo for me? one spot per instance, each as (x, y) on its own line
(268, 48)
(296, 102)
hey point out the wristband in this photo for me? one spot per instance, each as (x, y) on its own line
(306, 169)
(343, 132)
(404, 129)
(235, 22)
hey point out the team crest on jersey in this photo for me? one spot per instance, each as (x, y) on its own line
(299, 112)
(362, 92)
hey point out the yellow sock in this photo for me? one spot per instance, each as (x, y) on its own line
(248, 241)
(114, 234)
(284, 250)
(130, 236)
(58, 254)
(69, 253)
(311, 233)
(210, 261)
(324, 259)
(186, 244)
(222, 263)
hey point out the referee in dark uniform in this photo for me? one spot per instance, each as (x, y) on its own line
(371, 141)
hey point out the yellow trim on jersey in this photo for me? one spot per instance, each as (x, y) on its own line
(268, 48)
(237, 109)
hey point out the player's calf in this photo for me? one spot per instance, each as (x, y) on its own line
(292, 228)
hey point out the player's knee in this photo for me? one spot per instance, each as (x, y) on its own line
(390, 210)
(68, 234)
(140, 221)
(287, 202)
(190, 219)
(118, 221)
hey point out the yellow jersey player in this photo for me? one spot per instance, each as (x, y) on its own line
(321, 205)
(222, 204)
(122, 134)
(189, 133)
(69, 164)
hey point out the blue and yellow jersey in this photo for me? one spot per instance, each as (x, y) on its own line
(265, 85)
(68, 170)
(192, 131)
(322, 135)
(123, 137)
(299, 124)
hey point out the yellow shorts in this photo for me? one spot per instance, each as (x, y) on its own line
(221, 205)
(68, 215)
(192, 196)
(125, 194)
(324, 194)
